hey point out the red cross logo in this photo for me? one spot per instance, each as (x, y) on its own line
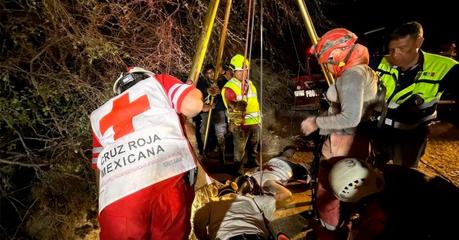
(120, 118)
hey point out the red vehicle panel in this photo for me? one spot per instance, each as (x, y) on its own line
(308, 90)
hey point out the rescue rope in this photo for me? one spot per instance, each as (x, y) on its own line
(300, 67)
(246, 49)
(260, 157)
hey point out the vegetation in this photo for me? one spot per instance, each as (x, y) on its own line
(58, 59)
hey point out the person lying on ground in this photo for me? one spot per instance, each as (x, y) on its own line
(274, 175)
(234, 216)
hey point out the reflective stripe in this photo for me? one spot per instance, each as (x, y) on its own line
(405, 126)
(249, 95)
(428, 104)
(97, 149)
(172, 91)
(252, 115)
(178, 93)
(394, 105)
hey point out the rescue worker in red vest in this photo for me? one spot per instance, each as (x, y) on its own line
(352, 101)
(414, 80)
(240, 98)
(143, 158)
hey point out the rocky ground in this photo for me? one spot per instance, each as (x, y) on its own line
(442, 156)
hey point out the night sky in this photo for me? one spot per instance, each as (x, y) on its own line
(439, 18)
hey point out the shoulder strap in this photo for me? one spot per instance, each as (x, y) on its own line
(381, 102)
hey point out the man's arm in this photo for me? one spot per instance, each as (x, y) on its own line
(350, 89)
(192, 103)
(267, 205)
(230, 96)
(231, 99)
(185, 98)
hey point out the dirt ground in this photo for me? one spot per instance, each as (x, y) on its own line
(442, 155)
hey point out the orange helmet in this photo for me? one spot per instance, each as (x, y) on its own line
(334, 46)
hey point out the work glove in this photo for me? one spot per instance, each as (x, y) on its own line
(409, 110)
(240, 105)
(411, 104)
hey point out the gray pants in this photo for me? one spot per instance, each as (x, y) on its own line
(241, 137)
(218, 122)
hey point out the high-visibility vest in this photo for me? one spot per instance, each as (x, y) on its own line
(426, 85)
(252, 112)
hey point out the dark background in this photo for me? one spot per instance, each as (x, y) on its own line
(372, 21)
(439, 19)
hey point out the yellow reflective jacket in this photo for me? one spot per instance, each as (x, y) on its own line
(252, 112)
(425, 85)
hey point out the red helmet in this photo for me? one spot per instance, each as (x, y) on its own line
(334, 46)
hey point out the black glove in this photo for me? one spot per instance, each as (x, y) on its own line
(409, 111)
(411, 104)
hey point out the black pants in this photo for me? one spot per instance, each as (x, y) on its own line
(403, 147)
(300, 172)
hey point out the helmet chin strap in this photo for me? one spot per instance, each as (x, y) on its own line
(348, 55)
(338, 67)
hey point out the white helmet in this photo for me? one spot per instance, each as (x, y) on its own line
(133, 75)
(352, 180)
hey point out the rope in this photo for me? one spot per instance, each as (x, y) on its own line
(300, 66)
(260, 157)
(252, 23)
(247, 40)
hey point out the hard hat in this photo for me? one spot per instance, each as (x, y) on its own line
(238, 62)
(129, 78)
(334, 46)
(352, 180)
